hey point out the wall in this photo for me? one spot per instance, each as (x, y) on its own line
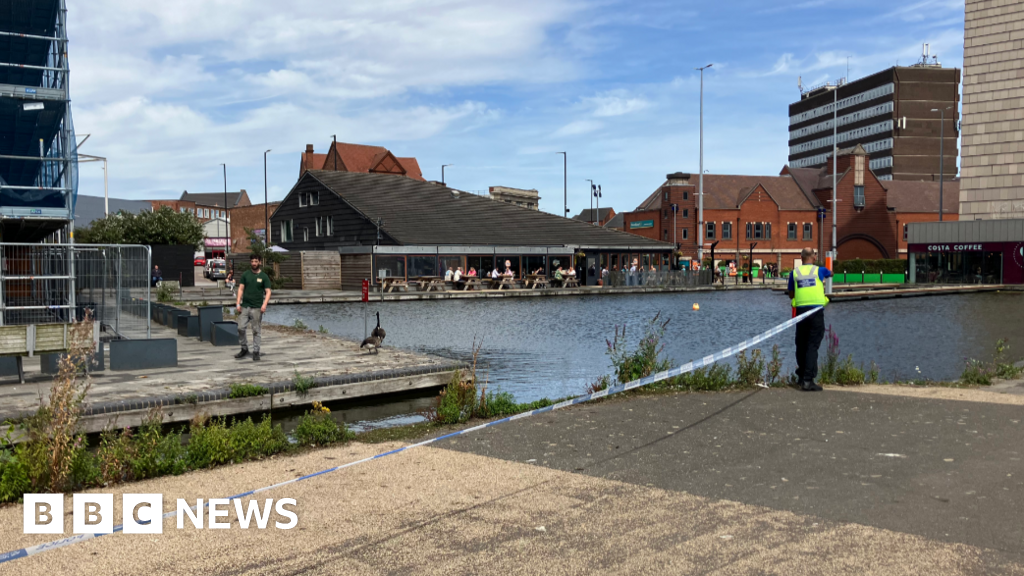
(350, 227)
(321, 270)
(175, 262)
(873, 223)
(653, 233)
(252, 217)
(902, 219)
(355, 268)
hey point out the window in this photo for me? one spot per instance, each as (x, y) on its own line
(904, 232)
(664, 234)
(666, 195)
(422, 265)
(286, 231)
(686, 213)
(791, 231)
(182, 209)
(302, 199)
(453, 262)
(710, 230)
(858, 196)
(330, 225)
(319, 227)
(768, 231)
(686, 195)
(686, 233)
(305, 234)
(750, 230)
(808, 229)
(758, 231)
(314, 198)
(664, 213)
(726, 230)
(393, 266)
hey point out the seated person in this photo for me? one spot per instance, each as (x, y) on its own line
(158, 276)
(458, 275)
(559, 276)
(495, 274)
(448, 275)
(472, 273)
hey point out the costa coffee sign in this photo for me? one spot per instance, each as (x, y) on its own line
(954, 247)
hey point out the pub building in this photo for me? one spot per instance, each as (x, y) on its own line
(966, 252)
(400, 227)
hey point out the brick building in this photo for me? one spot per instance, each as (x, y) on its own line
(781, 213)
(252, 217)
(345, 157)
(206, 206)
(597, 216)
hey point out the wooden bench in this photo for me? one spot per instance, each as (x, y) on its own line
(503, 282)
(428, 284)
(389, 284)
(536, 281)
(471, 282)
(33, 339)
(570, 282)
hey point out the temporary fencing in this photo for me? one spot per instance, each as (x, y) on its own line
(614, 389)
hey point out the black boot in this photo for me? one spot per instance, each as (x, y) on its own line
(256, 358)
(243, 353)
(810, 386)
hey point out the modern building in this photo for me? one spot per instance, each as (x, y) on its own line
(518, 196)
(889, 114)
(596, 216)
(993, 150)
(405, 228)
(772, 218)
(359, 158)
(967, 252)
(38, 158)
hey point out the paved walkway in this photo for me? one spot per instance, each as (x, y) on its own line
(772, 482)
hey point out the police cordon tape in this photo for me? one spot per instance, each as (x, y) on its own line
(614, 389)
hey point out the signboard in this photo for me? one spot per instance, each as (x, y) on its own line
(958, 247)
(261, 233)
(366, 290)
(216, 242)
(34, 106)
(641, 224)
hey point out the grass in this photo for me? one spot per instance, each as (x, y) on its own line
(246, 390)
(303, 384)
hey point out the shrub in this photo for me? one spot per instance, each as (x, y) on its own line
(645, 359)
(976, 373)
(707, 378)
(457, 402)
(300, 325)
(749, 372)
(496, 404)
(160, 226)
(246, 390)
(303, 384)
(774, 369)
(858, 266)
(155, 453)
(318, 427)
(253, 441)
(209, 444)
(165, 293)
(1003, 369)
(14, 477)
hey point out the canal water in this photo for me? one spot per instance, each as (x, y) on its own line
(555, 347)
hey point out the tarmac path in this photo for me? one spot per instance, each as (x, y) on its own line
(768, 482)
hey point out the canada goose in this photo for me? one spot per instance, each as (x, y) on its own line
(378, 332)
(371, 343)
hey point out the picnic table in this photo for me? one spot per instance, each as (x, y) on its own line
(391, 283)
(536, 281)
(428, 283)
(570, 282)
(470, 282)
(503, 282)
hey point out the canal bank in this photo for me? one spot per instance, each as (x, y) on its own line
(297, 368)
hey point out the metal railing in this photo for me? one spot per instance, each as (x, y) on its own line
(58, 283)
(660, 278)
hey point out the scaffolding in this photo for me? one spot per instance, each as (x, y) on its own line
(38, 155)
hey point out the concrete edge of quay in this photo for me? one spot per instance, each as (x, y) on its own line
(97, 417)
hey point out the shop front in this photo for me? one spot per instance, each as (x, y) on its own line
(966, 263)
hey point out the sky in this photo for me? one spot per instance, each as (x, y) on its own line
(170, 90)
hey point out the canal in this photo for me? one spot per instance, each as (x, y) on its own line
(555, 347)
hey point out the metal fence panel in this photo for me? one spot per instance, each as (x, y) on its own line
(661, 278)
(55, 283)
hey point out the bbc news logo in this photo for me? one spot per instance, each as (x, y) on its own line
(143, 513)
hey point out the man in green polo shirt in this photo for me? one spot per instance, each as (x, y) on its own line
(253, 296)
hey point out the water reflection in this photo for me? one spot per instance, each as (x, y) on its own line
(537, 347)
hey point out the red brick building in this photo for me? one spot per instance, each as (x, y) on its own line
(206, 206)
(252, 217)
(345, 157)
(780, 213)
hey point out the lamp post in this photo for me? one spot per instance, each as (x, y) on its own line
(592, 190)
(227, 234)
(700, 182)
(942, 157)
(442, 172)
(597, 197)
(565, 183)
(106, 198)
(266, 206)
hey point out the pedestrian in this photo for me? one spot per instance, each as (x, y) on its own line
(251, 303)
(807, 289)
(158, 276)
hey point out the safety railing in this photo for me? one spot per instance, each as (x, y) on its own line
(660, 278)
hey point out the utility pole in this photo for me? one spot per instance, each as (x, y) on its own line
(565, 184)
(835, 167)
(266, 206)
(700, 181)
(227, 233)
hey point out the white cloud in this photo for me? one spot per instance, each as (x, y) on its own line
(578, 127)
(615, 103)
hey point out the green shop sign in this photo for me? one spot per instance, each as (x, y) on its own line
(641, 224)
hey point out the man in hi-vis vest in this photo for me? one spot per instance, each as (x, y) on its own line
(807, 289)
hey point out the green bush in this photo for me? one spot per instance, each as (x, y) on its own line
(161, 226)
(209, 444)
(706, 379)
(317, 427)
(303, 384)
(976, 373)
(165, 293)
(645, 359)
(749, 372)
(14, 477)
(251, 441)
(246, 390)
(457, 402)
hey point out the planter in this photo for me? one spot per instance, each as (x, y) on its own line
(894, 279)
(839, 278)
(854, 278)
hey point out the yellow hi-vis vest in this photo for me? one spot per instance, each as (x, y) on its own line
(808, 289)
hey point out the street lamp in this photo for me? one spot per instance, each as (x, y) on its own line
(565, 183)
(334, 149)
(700, 183)
(442, 172)
(597, 196)
(266, 206)
(942, 157)
(227, 234)
(592, 190)
(106, 197)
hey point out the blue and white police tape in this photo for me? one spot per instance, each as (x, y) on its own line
(615, 389)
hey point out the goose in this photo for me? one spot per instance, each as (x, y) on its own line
(371, 344)
(378, 332)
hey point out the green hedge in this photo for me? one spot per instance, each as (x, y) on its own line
(857, 265)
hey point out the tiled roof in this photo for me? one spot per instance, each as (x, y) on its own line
(617, 222)
(725, 192)
(416, 212)
(363, 158)
(588, 214)
(212, 198)
(908, 196)
(311, 161)
(412, 168)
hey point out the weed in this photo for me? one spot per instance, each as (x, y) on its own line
(774, 368)
(976, 373)
(246, 390)
(209, 445)
(323, 330)
(1003, 369)
(300, 325)
(318, 427)
(303, 384)
(457, 402)
(707, 378)
(251, 441)
(750, 372)
(872, 374)
(191, 398)
(645, 359)
(165, 293)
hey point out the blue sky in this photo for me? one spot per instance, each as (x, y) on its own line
(169, 91)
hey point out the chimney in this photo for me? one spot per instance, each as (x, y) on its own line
(678, 179)
(309, 148)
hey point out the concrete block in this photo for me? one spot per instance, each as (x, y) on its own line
(172, 319)
(50, 363)
(224, 333)
(143, 354)
(207, 316)
(188, 326)
(8, 366)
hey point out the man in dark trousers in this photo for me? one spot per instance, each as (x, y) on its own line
(251, 303)
(807, 290)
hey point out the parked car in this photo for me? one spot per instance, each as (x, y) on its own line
(211, 265)
(199, 259)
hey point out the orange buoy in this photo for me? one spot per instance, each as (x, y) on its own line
(696, 306)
